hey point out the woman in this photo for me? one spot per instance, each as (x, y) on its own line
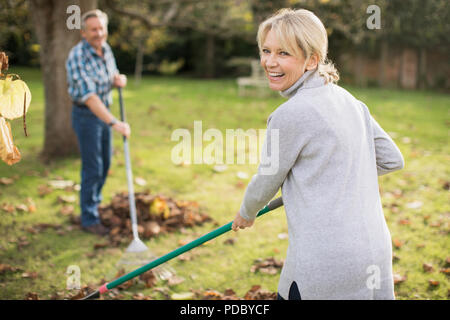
(330, 151)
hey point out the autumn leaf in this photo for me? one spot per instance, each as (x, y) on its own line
(445, 271)
(405, 222)
(182, 296)
(67, 210)
(7, 268)
(29, 275)
(8, 151)
(397, 243)
(433, 283)
(428, 267)
(43, 190)
(398, 278)
(31, 296)
(67, 199)
(140, 181)
(6, 181)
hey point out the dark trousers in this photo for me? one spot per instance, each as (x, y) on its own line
(94, 139)
(294, 293)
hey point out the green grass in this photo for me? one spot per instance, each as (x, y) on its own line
(418, 122)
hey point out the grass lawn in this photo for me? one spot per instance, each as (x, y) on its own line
(415, 200)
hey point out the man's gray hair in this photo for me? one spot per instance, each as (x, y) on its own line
(94, 13)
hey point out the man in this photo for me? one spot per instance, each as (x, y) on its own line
(92, 74)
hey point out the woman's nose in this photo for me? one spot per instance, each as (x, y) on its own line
(271, 61)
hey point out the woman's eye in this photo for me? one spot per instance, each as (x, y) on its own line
(284, 53)
(265, 51)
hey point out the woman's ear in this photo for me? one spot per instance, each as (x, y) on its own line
(313, 62)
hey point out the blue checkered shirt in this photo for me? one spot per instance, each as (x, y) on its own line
(88, 73)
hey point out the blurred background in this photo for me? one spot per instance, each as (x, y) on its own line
(213, 38)
(190, 60)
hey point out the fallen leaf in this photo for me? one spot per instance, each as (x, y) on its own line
(230, 241)
(414, 205)
(141, 296)
(140, 181)
(268, 266)
(6, 181)
(282, 236)
(31, 296)
(220, 168)
(22, 207)
(445, 271)
(242, 175)
(31, 205)
(398, 278)
(10, 208)
(256, 293)
(212, 295)
(397, 243)
(43, 190)
(61, 184)
(30, 275)
(149, 278)
(405, 222)
(67, 199)
(428, 267)
(240, 185)
(100, 245)
(174, 280)
(182, 296)
(7, 268)
(67, 210)
(433, 283)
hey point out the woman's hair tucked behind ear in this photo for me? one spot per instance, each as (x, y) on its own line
(302, 34)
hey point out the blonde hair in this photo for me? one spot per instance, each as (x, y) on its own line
(302, 34)
(94, 13)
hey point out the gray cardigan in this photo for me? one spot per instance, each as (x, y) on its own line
(331, 151)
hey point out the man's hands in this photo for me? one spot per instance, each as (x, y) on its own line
(120, 80)
(123, 128)
(241, 223)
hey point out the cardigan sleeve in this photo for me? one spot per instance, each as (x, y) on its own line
(388, 155)
(285, 138)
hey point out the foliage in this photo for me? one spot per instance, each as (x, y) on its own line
(39, 243)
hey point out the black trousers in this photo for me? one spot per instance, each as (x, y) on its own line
(294, 293)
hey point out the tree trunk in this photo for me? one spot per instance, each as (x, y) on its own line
(139, 61)
(210, 56)
(56, 40)
(360, 76)
(383, 64)
(422, 69)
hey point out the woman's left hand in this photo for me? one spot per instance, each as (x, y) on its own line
(241, 223)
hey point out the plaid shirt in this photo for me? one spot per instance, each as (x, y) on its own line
(88, 73)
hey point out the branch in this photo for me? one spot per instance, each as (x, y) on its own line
(145, 20)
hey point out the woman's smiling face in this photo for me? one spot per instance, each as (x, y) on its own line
(282, 68)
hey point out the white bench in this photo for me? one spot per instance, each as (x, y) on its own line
(257, 80)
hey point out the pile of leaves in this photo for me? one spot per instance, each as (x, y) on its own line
(267, 266)
(156, 214)
(255, 293)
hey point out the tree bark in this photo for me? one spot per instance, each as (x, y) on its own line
(422, 68)
(383, 64)
(55, 39)
(360, 76)
(139, 66)
(210, 53)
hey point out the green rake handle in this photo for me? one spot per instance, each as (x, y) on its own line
(195, 243)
